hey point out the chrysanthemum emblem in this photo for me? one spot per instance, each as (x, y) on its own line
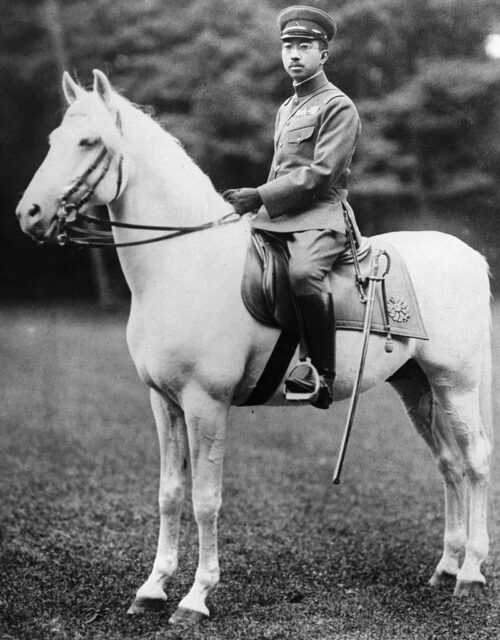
(397, 309)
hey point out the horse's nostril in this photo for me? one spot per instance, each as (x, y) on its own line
(34, 210)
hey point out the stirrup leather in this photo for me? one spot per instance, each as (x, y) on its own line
(304, 387)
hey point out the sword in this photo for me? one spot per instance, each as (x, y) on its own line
(373, 278)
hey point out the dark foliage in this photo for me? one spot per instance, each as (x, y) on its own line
(211, 70)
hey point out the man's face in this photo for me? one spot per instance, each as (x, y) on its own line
(302, 58)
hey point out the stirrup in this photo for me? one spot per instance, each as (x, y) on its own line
(303, 396)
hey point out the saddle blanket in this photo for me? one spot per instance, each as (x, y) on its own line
(267, 296)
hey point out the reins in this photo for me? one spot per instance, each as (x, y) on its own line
(68, 214)
(99, 238)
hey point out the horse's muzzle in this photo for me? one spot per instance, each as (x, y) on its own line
(34, 224)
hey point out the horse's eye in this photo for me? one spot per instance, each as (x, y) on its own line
(87, 143)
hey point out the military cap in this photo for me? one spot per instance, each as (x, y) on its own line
(309, 23)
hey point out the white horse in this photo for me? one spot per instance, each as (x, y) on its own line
(200, 351)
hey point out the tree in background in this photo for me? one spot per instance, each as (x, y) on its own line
(52, 18)
(210, 74)
(438, 129)
(211, 71)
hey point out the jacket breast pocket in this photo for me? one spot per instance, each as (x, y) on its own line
(296, 136)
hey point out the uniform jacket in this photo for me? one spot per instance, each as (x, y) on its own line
(314, 141)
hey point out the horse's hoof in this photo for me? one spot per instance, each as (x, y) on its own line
(147, 605)
(466, 589)
(442, 579)
(187, 616)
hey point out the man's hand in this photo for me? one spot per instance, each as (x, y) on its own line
(243, 200)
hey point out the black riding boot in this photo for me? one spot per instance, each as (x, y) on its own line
(317, 320)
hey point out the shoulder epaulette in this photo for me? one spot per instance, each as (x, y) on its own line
(336, 93)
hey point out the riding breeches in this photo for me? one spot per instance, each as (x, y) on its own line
(312, 256)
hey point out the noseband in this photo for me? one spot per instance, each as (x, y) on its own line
(69, 214)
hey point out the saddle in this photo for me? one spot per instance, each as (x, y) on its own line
(267, 295)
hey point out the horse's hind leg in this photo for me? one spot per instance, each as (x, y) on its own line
(461, 406)
(413, 388)
(172, 438)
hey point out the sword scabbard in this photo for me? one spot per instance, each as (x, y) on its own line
(373, 278)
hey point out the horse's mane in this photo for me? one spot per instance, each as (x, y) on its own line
(144, 132)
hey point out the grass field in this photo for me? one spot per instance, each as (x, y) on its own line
(300, 558)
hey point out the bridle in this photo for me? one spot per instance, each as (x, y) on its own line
(69, 215)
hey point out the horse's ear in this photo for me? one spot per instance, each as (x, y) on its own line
(70, 89)
(102, 87)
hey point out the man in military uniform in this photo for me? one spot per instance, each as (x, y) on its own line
(303, 201)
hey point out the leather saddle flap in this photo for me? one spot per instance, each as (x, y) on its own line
(267, 295)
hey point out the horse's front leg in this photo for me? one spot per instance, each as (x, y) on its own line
(172, 436)
(206, 421)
